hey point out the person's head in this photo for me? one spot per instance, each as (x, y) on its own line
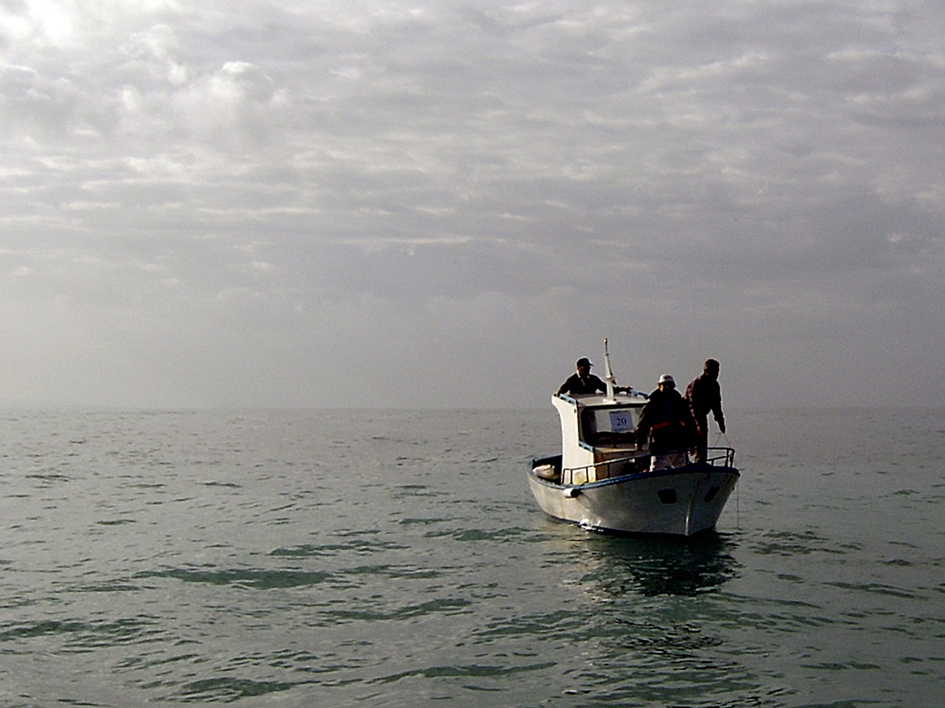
(666, 383)
(711, 368)
(583, 365)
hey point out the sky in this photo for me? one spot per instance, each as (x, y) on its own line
(444, 203)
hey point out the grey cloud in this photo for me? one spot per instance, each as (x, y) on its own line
(294, 183)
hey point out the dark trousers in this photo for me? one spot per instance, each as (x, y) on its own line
(702, 440)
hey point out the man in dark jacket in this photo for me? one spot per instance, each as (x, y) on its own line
(583, 381)
(704, 395)
(667, 425)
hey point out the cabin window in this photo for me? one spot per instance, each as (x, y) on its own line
(609, 427)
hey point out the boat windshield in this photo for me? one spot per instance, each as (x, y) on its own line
(610, 427)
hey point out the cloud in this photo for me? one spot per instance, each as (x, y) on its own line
(226, 202)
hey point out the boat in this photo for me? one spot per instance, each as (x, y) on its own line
(602, 479)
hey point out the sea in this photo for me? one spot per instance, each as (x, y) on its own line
(342, 558)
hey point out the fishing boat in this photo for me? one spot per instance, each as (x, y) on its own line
(602, 478)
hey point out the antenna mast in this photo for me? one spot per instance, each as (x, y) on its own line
(608, 373)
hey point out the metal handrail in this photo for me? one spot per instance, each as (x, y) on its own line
(727, 454)
(724, 455)
(567, 473)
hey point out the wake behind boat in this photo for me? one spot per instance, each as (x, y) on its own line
(603, 480)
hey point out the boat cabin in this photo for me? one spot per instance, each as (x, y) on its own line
(598, 436)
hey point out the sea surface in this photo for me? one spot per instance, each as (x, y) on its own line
(378, 558)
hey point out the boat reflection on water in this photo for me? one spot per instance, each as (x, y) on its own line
(660, 565)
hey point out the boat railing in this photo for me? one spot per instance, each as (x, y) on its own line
(720, 456)
(715, 457)
(602, 469)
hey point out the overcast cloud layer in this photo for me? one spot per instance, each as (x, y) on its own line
(445, 203)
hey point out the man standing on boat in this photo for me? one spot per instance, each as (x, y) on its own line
(583, 381)
(666, 424)
(704, 395)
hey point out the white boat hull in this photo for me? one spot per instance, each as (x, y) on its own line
(681, 501)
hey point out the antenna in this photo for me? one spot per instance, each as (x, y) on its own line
(608, 373)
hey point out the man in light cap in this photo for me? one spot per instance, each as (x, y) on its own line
(666, 424)
(583, 381)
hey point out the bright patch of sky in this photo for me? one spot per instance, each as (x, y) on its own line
(369, 203)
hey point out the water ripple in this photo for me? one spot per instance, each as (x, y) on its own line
(252, 578)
